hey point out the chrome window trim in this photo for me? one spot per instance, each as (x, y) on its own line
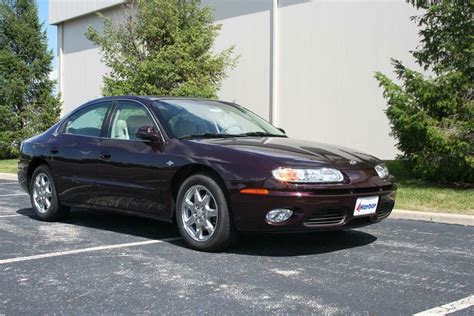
(112, 103)
(149, 112)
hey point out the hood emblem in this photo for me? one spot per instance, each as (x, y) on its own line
(352, 162)
(170, 163)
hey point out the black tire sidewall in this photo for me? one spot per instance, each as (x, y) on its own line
(223, 233)
(55, 211)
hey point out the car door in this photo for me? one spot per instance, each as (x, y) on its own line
(75, 152)
(131, 173)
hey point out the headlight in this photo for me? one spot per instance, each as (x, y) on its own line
(382, 171)
(322, 175)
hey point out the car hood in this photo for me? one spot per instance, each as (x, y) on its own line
(293, 152)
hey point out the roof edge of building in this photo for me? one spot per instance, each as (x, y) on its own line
(57, 17)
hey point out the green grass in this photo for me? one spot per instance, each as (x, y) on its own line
(8, 166)
(419, 195)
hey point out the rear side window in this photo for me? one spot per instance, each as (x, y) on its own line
(88, 121)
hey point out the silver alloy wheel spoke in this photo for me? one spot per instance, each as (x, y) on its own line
(205, 200)
(211, 212)
(198, 233)
(191, 220)
(199, 213)
(197, 196)
(42, 192)
(208, 225)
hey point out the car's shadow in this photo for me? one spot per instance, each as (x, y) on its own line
(297, 244)
(275, 245)
(114, 222)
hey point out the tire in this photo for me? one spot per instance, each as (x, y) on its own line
(44, 197)
(196, 214)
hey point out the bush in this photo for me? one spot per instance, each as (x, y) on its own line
(432, 117)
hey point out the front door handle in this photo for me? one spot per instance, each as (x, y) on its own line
(105, 156)
(54, 150)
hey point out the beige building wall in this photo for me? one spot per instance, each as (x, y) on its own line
(328, 53)
(80, 68)
(306, 64)
(246, 25)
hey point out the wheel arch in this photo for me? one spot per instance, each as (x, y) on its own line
(35, 163)
(186, 171)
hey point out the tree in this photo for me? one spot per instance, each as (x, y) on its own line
(27, 103)
(162, 47)
(432, 115)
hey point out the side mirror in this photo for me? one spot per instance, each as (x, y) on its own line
(282, 130)
(148, 133)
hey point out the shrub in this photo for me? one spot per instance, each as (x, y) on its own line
(432, 116)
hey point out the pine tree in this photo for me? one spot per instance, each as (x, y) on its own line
(162, 47)
(28, 105)
(432, 113)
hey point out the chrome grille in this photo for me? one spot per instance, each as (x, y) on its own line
(384, 210)
(327, 217)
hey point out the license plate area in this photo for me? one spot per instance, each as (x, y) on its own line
(366, 205)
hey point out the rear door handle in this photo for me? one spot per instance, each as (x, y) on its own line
(54, 150)
(105, 156)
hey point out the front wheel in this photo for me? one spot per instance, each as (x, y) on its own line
(203, 215)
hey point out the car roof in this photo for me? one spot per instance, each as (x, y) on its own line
(151, 98)
(141, 98)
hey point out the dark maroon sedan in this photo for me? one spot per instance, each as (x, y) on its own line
(214, 167)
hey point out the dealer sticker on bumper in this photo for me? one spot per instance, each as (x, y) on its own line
(366, 205)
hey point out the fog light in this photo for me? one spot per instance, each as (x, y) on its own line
(279, 215)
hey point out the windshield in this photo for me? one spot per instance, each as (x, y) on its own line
(212, 119)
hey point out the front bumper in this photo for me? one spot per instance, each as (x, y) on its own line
(313, 210)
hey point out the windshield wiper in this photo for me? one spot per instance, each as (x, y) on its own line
(206, 135)
(261, 134)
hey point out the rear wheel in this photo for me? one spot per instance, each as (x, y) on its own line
(203, 215)
(43, 195)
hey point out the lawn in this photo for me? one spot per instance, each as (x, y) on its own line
(419, 195)
(8, 166)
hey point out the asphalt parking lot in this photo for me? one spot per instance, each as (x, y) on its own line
(97, 262)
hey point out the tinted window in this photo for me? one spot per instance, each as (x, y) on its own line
(87, 121)
(128, 118)
(196, 117)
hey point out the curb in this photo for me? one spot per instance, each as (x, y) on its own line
(444, 218)
(8, 176)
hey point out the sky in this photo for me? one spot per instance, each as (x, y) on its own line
(51, 31)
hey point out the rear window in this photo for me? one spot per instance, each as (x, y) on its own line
(88, 121)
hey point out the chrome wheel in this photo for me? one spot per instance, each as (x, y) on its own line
(199, 213)
(42, 192)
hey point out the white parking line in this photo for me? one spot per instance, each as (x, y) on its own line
(71, 252)
(3, 183)
(12, 215)
(450, 307)
(15, 194)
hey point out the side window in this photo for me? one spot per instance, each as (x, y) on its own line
(87, 122)
(128, 118)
